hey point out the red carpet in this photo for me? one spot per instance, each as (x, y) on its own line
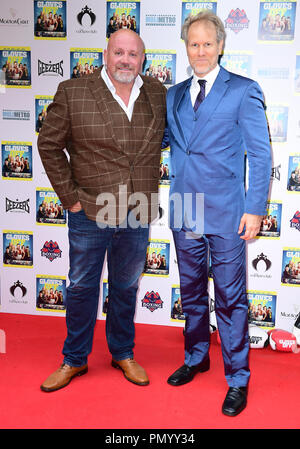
(103, 399)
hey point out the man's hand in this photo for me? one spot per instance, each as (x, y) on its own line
(251, 223)
(76, 207)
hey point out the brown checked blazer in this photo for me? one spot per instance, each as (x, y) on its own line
(104, 150)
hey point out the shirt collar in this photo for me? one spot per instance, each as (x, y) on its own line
(209, 77)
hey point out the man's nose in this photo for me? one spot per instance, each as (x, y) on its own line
(125, 58)
(201, 50)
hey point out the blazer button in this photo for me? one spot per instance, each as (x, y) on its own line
(188, 152)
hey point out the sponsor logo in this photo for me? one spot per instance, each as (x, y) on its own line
(266, 262)
(255, 340)
(14, 19)
(86, 19)
(261, 265)
(291, 316)
(86, 11)
(52, 69)
(160, 20)
(287, 343)
(152, 301)
(18, 285)
(295, 221)
(274, 72)
(275, 173)
(237, 20)
(51, 250)
(10, 114)
(20, 206)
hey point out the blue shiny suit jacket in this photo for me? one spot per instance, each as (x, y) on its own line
(208, 151)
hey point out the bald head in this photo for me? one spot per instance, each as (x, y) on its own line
(129, 35)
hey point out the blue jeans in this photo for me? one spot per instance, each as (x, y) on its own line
(126, 253)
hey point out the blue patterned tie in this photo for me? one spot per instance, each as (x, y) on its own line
(201, 94)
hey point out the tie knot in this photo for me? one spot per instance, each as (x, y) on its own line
(202, 83)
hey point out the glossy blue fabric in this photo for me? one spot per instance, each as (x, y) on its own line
(227, 254)
(208, 151)
(208, 157)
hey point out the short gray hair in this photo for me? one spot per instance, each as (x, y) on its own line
(206, 16)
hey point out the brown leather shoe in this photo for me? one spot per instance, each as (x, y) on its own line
(132, 371)
(62, 377)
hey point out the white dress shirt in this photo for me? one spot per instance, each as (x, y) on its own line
(210, 79)
(135, 92)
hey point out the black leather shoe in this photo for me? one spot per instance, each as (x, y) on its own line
(185, 373)
(235, 401)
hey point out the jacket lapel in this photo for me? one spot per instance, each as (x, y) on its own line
(177, 100)
(102, 96)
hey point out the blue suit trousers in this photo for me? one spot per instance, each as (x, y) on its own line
(228, 263)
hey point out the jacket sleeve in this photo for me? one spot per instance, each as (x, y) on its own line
(254, 128)
(54, 138)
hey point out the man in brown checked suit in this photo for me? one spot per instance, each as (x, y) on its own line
(111, 123)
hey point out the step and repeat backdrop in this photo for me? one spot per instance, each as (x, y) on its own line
(45, 42)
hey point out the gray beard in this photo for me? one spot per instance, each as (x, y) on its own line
(200, 74)
(125, 78)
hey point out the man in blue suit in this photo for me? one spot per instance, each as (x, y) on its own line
(214, 117)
